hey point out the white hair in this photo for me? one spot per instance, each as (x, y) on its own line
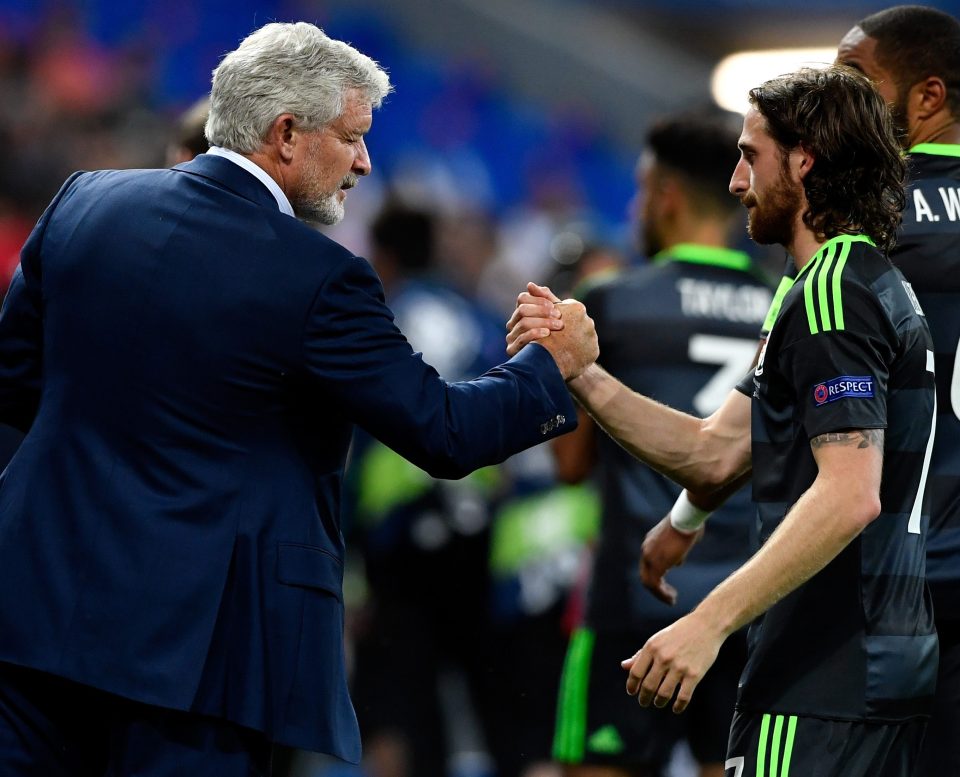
(286, 68)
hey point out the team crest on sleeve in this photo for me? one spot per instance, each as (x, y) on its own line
(912, 297)
(852, 386)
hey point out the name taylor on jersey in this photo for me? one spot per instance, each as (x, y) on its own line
(726, 301)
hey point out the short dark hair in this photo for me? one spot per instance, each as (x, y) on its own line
(700, 146)
(856, 182)
(407, 233)
(915, 42)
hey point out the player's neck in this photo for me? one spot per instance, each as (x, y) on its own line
(942, 130)
(704, 232)
(804, 245)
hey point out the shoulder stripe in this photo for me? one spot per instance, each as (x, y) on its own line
(825, 274)
(838, 271)
(808, 295)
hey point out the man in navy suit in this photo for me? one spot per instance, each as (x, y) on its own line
(189, 359)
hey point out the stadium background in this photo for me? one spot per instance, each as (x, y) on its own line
(515, 123)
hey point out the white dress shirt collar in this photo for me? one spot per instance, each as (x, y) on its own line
(238, 159)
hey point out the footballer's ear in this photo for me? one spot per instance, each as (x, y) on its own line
(928, 97)
(670, 193)
(803, 158)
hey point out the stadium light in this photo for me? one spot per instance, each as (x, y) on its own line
(738, 73)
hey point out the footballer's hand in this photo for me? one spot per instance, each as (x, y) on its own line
(535, 316)
(575, 347)
(672, 662)
(664, 548)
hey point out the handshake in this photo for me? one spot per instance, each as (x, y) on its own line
(562, 327)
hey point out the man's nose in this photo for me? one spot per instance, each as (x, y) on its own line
(361, 163)
(740, 181)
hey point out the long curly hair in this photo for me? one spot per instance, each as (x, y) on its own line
(856, 182)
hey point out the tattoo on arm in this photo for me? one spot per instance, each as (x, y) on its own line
(862, 438)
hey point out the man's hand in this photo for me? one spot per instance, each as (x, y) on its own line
(664, 548)
(673, 661)
(570, 338)
(535, 316)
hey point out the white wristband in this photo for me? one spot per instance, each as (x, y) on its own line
(685, 516)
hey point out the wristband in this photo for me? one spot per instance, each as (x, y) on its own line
(685, 516)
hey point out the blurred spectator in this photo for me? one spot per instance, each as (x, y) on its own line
(421, 640)
(540, 546)
(189, 138)
(68, 104)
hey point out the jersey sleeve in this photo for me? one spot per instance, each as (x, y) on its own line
(746, 384)
(840, 365)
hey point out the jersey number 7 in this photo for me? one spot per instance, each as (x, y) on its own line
(733, 354)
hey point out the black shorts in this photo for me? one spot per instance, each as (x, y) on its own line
(799, 746)
(599, 724)
(941, 748)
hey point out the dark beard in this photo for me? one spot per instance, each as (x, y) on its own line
(772, 222)
(898, 116)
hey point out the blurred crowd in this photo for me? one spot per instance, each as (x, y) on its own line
(515, 189)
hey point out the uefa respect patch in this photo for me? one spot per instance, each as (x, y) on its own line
(854, 386)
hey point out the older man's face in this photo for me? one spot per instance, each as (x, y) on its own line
(335, 157)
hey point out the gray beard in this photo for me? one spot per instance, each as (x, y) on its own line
(326, 211)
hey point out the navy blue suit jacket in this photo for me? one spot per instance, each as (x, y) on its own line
(189, 363)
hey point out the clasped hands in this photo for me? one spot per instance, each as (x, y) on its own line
(562, 327)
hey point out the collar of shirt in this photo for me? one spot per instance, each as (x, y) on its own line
(238, 159)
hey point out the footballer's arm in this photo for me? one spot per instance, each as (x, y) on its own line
(702, 454)
(843, 499)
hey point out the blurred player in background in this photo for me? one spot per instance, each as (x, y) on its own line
(425, 541)
(189, 138)
(680, 329)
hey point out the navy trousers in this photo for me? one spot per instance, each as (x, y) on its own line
(51, 727)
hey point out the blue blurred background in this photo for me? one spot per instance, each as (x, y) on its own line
(529, 111)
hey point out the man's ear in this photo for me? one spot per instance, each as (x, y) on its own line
(283, 136)
(803, 158)
(670, 196)
(927, 98)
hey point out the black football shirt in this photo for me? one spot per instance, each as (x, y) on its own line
(849, 350)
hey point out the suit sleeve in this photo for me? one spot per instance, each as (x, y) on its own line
(364, 364)
(21, 329)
